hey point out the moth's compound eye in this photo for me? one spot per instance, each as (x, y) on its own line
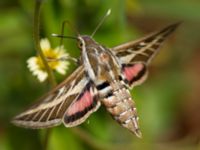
(80, 44)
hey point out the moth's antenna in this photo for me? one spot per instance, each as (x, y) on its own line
(61, 36)
(100, 23)
(66, 22)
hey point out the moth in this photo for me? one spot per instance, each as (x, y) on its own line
(104, 77)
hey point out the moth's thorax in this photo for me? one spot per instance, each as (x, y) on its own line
(86, 41)
(98, 61)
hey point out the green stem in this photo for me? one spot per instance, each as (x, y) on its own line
(46, 138)
(36, 35)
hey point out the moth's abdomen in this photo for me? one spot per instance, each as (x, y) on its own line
(119, 103)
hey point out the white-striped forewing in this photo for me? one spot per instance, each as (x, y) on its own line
(58, 104)
(136, 55)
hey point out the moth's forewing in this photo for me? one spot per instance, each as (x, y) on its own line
(141, 52)
(51, 108)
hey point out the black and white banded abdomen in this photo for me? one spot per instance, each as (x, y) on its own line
(117, 100)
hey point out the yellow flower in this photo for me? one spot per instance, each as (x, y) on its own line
(36, 65)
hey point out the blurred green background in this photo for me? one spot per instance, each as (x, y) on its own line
(168, 102)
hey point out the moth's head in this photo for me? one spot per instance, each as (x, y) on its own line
(85, 41)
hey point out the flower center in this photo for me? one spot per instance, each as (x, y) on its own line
(49, 54)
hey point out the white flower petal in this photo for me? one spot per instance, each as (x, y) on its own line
(42, 76)
(60, 50)
(45, 45)
(61, 70)
(32, 63)
(36, 72)
(31, 60)
(62, 67)
(35, 69)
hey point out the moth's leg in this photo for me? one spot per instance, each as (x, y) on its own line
(64, 58)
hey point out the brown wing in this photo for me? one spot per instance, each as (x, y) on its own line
(52, 107)
(136, 55)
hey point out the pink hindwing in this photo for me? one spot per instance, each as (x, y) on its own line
(80, 109)
(134, 72)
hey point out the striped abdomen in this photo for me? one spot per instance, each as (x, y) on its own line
(119, 103)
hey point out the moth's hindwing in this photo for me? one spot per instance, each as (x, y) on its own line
(59, 102)
(135, 73)
(141, 52)
(85, 104)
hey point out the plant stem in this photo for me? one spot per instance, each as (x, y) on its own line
(46, 138)
(36, 35)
